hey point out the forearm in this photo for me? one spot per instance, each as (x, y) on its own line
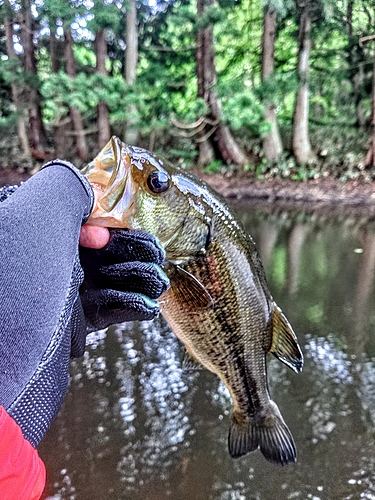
(39, 230)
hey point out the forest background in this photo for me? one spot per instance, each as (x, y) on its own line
(277, 88)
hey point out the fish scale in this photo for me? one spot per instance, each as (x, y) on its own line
(226, 316)
(218, 304)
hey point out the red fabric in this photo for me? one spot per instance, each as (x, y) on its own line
(22, 472)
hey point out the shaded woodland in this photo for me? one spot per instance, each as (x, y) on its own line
(275, 88)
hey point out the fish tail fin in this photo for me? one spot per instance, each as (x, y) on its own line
(270, 434)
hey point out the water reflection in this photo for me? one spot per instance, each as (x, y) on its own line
(136, 426)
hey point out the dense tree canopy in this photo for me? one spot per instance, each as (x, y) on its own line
(280, 87)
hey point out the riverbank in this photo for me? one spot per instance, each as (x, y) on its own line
(321, 192)
(325, 197)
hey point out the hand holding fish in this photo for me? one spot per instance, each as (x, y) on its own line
(122, 280)
(218, 304)
(94, 237)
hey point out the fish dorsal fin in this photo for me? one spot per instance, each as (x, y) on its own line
(284, 342)
(190, 363)
(189, 292)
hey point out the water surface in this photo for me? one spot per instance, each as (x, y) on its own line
(135, 426)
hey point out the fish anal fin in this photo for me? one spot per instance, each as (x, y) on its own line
(270, 434)
(284, 342)
(190, 294)
(190, 363)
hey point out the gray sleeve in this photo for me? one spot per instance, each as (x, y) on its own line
(40, 278)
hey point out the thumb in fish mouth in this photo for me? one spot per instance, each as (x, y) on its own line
(94, 237)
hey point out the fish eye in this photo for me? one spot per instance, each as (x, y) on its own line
(158, 181)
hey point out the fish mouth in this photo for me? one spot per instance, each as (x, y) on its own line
(110, 177)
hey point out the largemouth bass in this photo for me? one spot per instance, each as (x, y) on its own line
(218, 304)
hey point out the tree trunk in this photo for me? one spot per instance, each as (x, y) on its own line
(16, 91)
(370, 158)
(131, 61)
(356, 59)
(272, 145)
(62, 144)
(75, 114)
(103, 113)
(301, 143)
(206, 151)
(131, 54)
(215, 140)
(37, 134)
(56, 48)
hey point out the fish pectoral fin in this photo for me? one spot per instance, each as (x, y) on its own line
(188, 291)
(284, 342)
(270, 434)
(190, 363)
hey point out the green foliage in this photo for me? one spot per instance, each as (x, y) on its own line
(244, 110)
(84, 57)
(214, 167)
(339, 81)
(279, 267)
(11, 72)
(84, 92)
(282, 7)
(105, 15)
(212, 15)
(55, 9)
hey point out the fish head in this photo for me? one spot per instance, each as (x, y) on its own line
(137, 191)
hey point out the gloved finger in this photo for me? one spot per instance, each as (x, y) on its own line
(107, 307)
(6, 191)
(126, 246)
(78, 330)
(140, 277)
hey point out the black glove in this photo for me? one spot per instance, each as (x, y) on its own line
(6, 191)
(122, 280)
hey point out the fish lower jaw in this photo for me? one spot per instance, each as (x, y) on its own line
(106, 221)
